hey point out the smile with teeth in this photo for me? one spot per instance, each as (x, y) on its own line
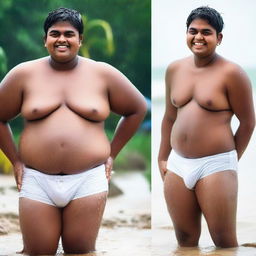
(62, 46)
(199, 43)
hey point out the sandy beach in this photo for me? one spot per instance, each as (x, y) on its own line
(125, 227)
(163, 237)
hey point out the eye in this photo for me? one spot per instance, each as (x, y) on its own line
(54, 34)
(206, 32)
(69, 34)
(192, 31)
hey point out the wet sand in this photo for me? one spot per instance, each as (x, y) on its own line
(125, 227)
(163, 237)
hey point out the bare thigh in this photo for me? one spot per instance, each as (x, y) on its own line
(217, 196)
(40, 226)
(81, 221)
(184, 210)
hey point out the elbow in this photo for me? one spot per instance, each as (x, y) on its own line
(145, 106)
(250, 125)
(3, 118)
(3, 122)
(142, 108)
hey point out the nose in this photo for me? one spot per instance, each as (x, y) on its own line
(62, 38)
(199, 36)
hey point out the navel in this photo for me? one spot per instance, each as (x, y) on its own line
(62, 144)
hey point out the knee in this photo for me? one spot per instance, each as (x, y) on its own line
(78, 250)
(78, 247)
(39, 251)
(224, 239)
(187, 239)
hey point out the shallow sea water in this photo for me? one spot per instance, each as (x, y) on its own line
(126, 222)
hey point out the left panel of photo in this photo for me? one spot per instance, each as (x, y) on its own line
(75, 127)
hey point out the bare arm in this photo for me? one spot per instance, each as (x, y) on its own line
(10, 104)
(240, 98)
(128, 102)
(167, 123)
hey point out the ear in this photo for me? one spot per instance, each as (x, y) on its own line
(81, 37)
(45, 40)
(219, 37)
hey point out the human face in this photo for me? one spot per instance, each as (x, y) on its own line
(202, 38)
(63, 41)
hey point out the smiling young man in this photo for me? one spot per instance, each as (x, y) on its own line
(199, 154)
(65, 159)
(63, 40)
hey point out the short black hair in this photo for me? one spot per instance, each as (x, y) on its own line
(209, 14)
(64, 14)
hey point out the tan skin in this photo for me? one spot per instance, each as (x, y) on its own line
(65, 100)
(203, 92)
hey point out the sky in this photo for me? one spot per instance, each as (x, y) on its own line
(169, 30)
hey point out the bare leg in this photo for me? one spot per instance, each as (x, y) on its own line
(40, 226)
(81, 222)
(217, 196)
(184, 210)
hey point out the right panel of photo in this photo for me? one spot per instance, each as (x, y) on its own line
(203, 119)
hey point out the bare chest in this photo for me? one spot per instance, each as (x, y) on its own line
(86, 96)
(207, 89)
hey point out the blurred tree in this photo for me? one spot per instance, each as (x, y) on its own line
(104, 43)
(3, 61)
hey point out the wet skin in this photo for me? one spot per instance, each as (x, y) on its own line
(203, 92)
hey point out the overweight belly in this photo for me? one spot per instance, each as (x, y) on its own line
(198, 132)
(63, 144)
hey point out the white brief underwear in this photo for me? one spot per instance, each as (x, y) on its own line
(194, 169)
(59, 190)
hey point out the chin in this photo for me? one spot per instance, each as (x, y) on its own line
(200, 54)
(62, 59)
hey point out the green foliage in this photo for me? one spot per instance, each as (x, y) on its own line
(4, 6)
(3, 61)
(136, 154)
(94, 39)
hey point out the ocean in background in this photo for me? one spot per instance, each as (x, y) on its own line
(158, 75)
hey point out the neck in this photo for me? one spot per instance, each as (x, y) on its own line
(204, 61)
(63, 65)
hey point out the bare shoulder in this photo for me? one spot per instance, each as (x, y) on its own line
(230, 68)
(177, 65)
(98, 65)
(25, 68)
(112, 76)
(235, 74)
(32, 64)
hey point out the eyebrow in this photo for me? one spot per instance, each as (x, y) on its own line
(204, 29)
(57, 31)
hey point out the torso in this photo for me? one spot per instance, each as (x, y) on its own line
(64, 114)
(202, 126)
